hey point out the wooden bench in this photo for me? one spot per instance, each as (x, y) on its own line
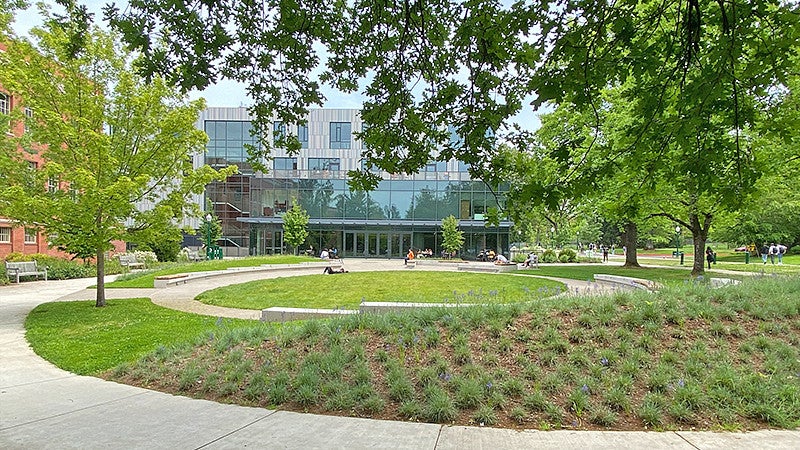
(130, 262)
(25, 269)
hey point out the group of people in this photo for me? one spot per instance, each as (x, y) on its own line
(593, 248)
(773, 251)
(333, 253)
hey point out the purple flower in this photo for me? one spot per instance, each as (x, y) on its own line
(681, 383)
(604, 361)
(489, 385)
(585, 389)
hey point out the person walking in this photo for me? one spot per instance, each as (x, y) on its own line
(710, 257)
(605, 253)
(764, 253)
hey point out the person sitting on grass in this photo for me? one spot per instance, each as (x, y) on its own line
(330, 271)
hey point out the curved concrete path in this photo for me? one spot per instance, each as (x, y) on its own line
(44, 407)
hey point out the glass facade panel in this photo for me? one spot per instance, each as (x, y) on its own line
(341, 134)
(284, 164)
(302, 135)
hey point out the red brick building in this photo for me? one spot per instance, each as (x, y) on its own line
(14, 238)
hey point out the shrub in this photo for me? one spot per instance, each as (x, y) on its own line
(549, 256)
(567, 255)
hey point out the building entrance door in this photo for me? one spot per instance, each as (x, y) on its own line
(268, 242)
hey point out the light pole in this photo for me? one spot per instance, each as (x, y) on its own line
(553, 236)
(577, 242)
(678, 242)
(208, 236)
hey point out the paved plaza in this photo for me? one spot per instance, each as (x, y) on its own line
(43, 407)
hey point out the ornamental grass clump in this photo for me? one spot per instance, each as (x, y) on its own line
(514, 366)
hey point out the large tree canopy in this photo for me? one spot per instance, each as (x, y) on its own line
(108, 139)
(444, 78)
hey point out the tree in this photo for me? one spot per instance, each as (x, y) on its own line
(109, 139)
(452, 237)
(295, 226)
(696, 74)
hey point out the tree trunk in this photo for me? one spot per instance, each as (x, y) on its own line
(629, 239)
(699, 238)
(101, 276)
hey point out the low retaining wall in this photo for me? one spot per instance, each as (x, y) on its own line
(281, 314)
(490, 268)
(183, 278)
(636, 283)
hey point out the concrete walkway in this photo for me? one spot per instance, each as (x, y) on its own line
(44, 407)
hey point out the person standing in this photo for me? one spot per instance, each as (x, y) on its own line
(605, 253)
(764, 252)
(773, 251)
(781, 250)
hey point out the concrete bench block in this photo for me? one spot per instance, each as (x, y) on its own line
(282, 314)
(381, 307)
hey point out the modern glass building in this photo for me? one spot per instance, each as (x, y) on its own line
(405, 211)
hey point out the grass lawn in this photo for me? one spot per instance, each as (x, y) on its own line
(80, 338)
(347, 290)
(144, 279)
(687, 357)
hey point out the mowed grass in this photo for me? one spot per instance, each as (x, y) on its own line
(145, 278)
(349, 289)
(80, 338)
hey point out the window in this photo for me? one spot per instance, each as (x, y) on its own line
(52, 184)
(5, 103)
(369, 167)
(5, 235)
(33, 165)
(278, 131)
(436, 166)
(340, 134)
(323, 163)
(28, 119)
(302, 135)
(30, 236)
(284, 164)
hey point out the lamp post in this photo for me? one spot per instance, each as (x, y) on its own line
(678, 242)
(553, 236)
(208, 236)
(577, 242)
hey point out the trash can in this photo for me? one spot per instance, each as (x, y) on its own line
(747, 257)
(681, 255)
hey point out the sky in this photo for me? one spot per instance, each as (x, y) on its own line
(228, 93)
